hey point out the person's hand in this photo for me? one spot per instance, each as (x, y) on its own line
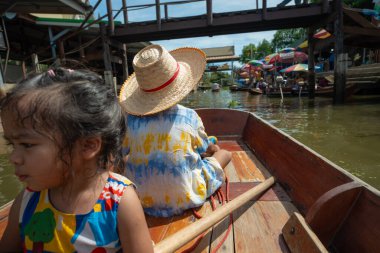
(211, 149)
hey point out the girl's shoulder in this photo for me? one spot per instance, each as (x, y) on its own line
(119, 178)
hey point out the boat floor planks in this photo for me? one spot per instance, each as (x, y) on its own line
(257, 226)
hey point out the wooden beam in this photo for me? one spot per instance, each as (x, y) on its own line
(311, 72)
(329, 212)
(111, 23)
(209, 12)
(361, 31)
(125, 12)
(158, 15)
(264, 10)
(358, 18)
(340, 64)
(300, 237)
(222, 23)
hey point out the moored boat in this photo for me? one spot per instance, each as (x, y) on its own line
(215, 87)
(255, 91)
(308, 204)
(238, 88)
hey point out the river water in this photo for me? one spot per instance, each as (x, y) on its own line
(348, 135)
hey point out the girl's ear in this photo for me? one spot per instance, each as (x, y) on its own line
(91, 146)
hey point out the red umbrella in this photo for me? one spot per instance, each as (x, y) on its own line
(271, 58)
(290, 57)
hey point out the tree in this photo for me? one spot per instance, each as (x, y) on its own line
(215, 77)
(248, 53)
(263, 49)
(287, 38)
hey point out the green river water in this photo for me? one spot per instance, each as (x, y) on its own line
(348, 135)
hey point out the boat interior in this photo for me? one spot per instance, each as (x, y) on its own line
(312, 205)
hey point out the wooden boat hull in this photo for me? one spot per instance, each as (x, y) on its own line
(339, 208)
(319, 92)
(336, 204)
(255, 91)
(238, 88)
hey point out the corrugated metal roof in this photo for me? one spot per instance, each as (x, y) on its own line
(44, 6)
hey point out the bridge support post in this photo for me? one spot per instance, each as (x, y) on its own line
(209, 12)
(125, 62)
(311, 72)
(340, 58)
(106, 56)
(125, 12)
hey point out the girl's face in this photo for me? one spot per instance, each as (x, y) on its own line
(34, 156)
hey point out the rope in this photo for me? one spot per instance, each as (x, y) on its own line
(222, 200)
(227, 199)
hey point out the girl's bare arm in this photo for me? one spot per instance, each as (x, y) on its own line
(133, 230)
(11, 240)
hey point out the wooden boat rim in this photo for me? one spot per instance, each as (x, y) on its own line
(353, 177)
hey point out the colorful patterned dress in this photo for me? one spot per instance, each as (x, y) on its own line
(165, 163)
(45, 229)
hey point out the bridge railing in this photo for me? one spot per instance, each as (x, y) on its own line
(162, 8)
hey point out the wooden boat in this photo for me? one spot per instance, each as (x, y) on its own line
(255, 91)
(327, 91)
(284, 197)
(215, 87)
(238, 88)
(286, 92)
(204, 87)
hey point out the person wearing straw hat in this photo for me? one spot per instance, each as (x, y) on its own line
(170, 158)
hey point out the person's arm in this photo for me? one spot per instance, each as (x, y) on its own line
(11, 240)
(133, 230)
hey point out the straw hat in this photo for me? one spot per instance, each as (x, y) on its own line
(161, 79)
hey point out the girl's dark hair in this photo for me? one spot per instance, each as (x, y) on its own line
(75, 104)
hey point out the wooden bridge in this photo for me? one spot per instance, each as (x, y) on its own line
(256, 17)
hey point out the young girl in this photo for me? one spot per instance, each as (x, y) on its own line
(66, 129)
(171, 160)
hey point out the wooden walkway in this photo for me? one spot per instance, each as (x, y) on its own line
(256, 226)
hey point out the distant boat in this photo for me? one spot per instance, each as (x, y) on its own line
(238, 88)
(204, 87)
(255, 91)
(215, 87)
(327, 91)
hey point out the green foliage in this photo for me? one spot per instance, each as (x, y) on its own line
(251, 52)
(215, 77)
(287, 38)
(248, 53)
(263, 49)
(233, 104)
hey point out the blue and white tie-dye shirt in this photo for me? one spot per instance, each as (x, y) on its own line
(165, 163)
